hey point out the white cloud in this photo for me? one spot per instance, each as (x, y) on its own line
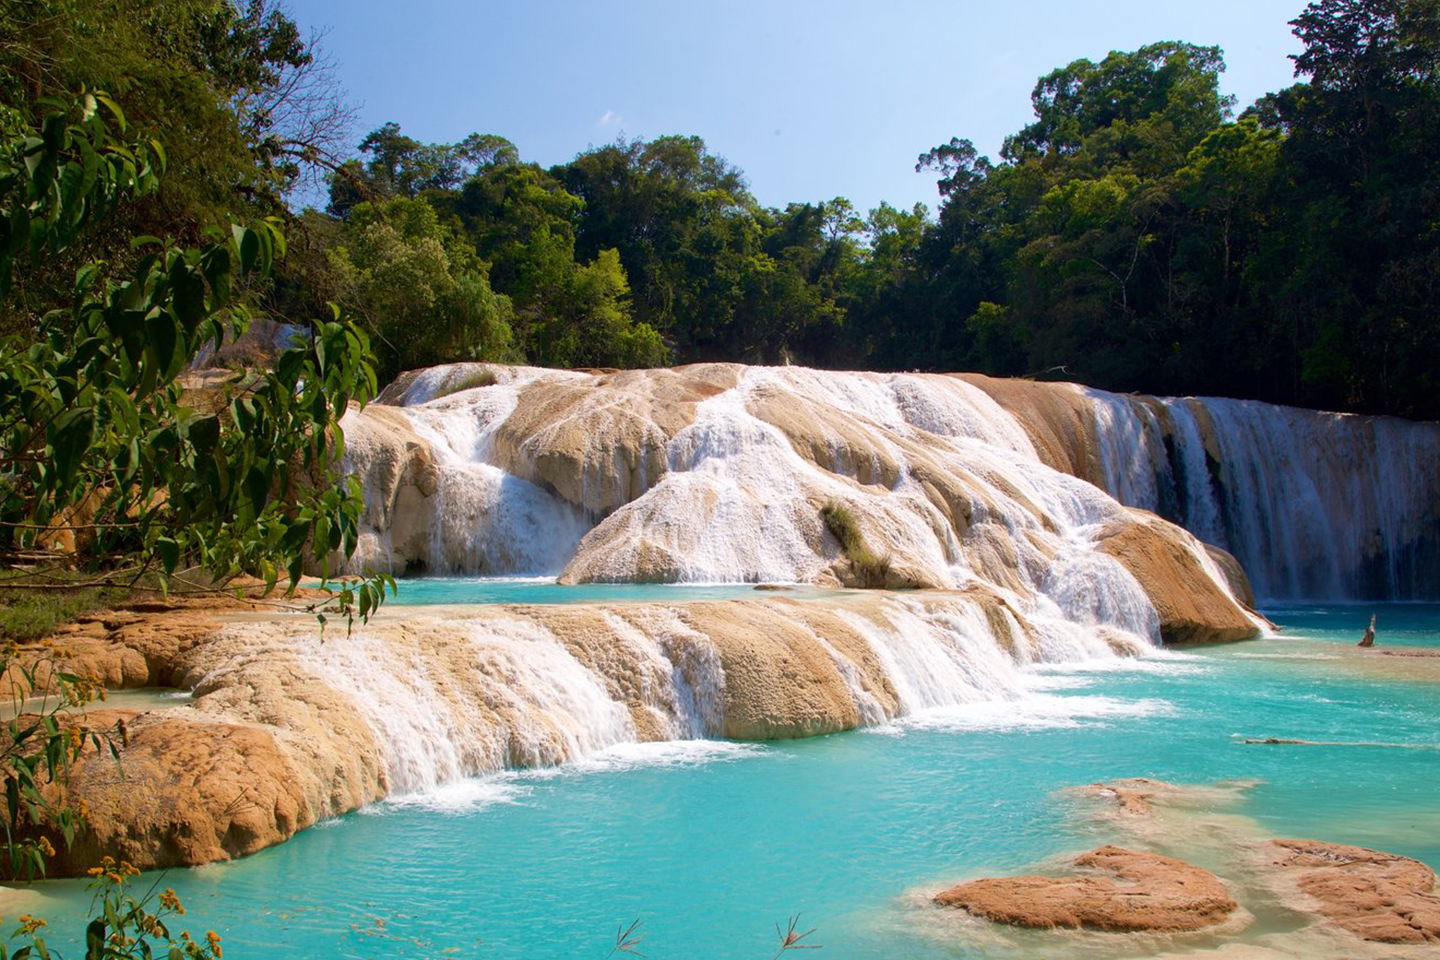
(608, 119)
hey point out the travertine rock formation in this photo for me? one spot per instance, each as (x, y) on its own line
(286, 727)
(719, 472)
(1376, 896)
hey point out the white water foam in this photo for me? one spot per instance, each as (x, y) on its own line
(511, 787)
(1035, 712)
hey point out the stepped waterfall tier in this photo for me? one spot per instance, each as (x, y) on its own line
(718, 472)
(1010, 525)
(412, 702)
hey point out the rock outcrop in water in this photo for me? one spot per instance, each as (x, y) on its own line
(1358, 902)
(1133, 892)
(720, 472)
(1376, 896)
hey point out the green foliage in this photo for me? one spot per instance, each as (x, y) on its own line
(27, 615)
(1136, 238)
(589, 325)
(1000, 344)
(568, 313)
(247, 108)
(60, 178)
(1132, 235)
(402, 167)
(871, 569)
(421, 289)
(94, 437)
(1143, 110)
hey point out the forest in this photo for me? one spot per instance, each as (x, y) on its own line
(1142, 232)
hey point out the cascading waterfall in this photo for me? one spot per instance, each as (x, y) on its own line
(1314, 505)
(448, 698)
(718, 474)
(736, 491)
(479, 519)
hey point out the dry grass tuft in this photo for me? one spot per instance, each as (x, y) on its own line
(870, 568)
(481, 378)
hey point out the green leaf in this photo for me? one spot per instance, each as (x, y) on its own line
(169, 552)
(247, 243)
(164, 340)
(114, 109)
(70, 438)
(95, 940)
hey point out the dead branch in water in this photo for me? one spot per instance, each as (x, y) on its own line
(1273, 741)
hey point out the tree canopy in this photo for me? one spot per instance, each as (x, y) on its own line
(1141, 232)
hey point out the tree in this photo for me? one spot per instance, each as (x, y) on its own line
(1167, 88)
(1359, 171)
(288, 104)
(400, 166)
(683, 224)
(419, 287)
(98, 445)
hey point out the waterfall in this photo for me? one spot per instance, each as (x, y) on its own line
(719, 473)
(1314, 505)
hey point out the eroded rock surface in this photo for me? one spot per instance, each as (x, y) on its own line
(1376, 896)
(1131, 796)
(1123, 891)
(186, 791)
(286, 727)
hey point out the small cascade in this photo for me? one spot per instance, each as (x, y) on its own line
(465, 515)
(1314, 505)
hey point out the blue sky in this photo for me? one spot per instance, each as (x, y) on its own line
(811, 99)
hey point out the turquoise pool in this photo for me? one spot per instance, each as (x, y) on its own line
(464, 590)
(710, 845)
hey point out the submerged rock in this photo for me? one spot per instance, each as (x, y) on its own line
(1131, 796)
(1376, 896)
(1133, 892)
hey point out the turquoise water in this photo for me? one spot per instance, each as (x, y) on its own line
(451, 590)
(711, 845)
